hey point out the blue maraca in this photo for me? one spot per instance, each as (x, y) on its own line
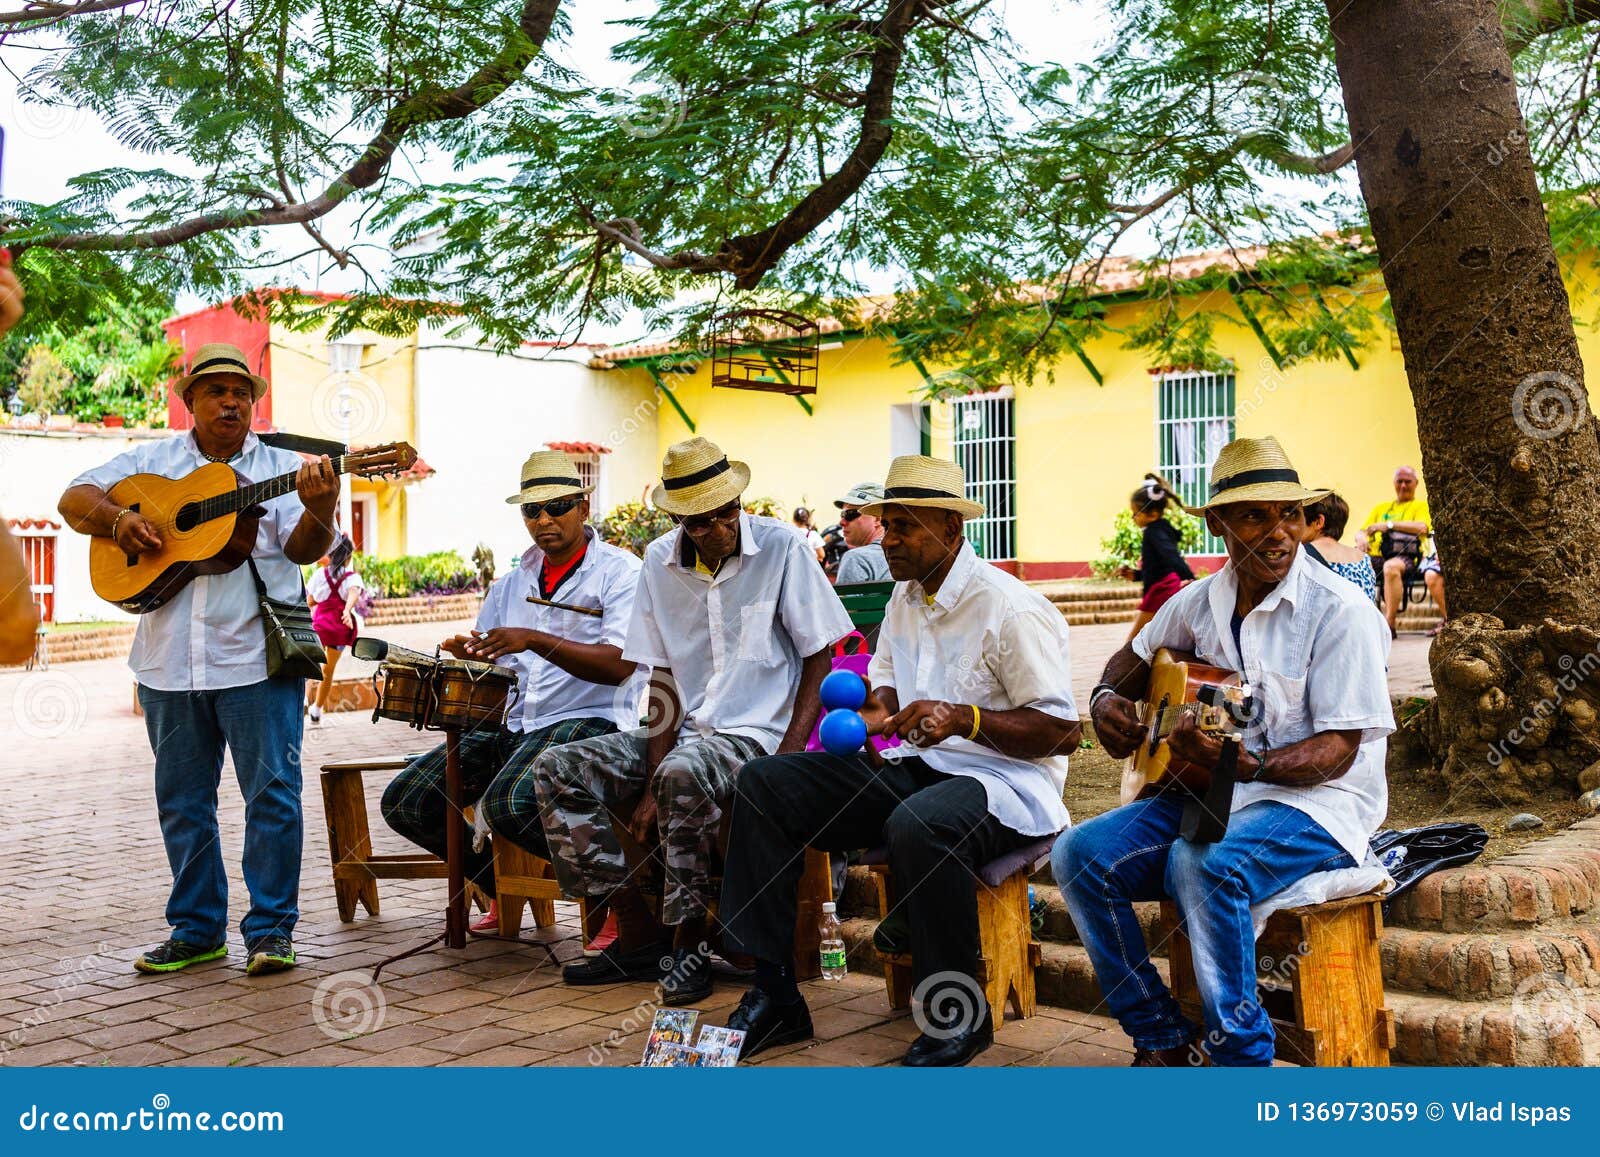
(842, 732)
(843, 691)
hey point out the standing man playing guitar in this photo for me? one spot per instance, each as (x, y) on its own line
(1311, 787)
(201, 665)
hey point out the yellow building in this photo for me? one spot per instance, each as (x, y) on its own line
(1055, 461)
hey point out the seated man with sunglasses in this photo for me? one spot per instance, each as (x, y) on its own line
(572, 681)
(736, 619)
(863, 534)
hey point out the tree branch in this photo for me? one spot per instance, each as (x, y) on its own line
(416, 111)
(42, 12)
(750, 256)
(1527, 20)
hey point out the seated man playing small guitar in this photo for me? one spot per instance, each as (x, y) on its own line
(1311, 787)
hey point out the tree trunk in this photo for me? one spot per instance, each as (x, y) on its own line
(1509, 452)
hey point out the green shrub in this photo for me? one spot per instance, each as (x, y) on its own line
(442, 573)
(1125, 542)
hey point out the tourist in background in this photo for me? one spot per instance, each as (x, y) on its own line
(1325, 523)
(334, 593)
(863, 534)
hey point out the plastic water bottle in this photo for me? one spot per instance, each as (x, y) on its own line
(833, 961)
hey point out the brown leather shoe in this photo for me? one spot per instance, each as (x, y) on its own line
(1182, 1057)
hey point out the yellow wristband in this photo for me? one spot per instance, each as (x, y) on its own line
(976, 716)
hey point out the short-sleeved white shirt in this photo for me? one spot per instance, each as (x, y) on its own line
(1315, 657)
(735, 642)
(987, 639)
(606, 578)
(209, 636)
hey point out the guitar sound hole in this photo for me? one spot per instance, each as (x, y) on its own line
(1155, 728)
(188, 518)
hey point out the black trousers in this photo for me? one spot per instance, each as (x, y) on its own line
(937, 828)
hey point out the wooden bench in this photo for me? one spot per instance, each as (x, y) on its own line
(1321, 981)
(1007, 953)
(356, 870)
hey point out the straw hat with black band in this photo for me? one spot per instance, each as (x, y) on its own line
(916, 480)
(219, 357)
(1255, 470)
(697, 477)
(546, 476)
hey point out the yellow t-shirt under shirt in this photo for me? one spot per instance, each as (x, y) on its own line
(1414, 511)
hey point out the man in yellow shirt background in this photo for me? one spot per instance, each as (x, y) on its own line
(1407, 514)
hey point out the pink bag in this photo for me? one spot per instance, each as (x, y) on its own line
(858, 661)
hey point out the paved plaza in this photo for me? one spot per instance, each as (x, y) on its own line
(85, 882)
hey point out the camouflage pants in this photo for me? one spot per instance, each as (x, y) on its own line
(586, 789)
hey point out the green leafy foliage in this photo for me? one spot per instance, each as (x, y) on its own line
(632, 526)
(441, 573)
(117, 363)
(1121, 548)
(1000, 190)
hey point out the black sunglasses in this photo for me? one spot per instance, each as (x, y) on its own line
(849, 515)
(698, 522)
(556, 507)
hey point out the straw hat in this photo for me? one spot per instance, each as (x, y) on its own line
(1255, 470)
(546, 475)
(219, 357)
(918, 481)
(697, 477)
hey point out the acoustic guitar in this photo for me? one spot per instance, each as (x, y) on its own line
(207, 522)
(1182, 685)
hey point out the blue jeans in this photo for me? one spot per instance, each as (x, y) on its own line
(261, 726)
(1134, 853)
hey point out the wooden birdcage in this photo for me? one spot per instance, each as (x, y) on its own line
(771, 350)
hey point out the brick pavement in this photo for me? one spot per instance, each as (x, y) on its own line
(85, 882)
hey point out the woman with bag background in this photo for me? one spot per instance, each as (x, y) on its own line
(338, 600)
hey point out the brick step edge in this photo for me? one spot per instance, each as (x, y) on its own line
(1556, 878)
(1476, 966)
(1556, 1026)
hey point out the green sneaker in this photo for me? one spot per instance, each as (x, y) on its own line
(269, 954)
(174, 955)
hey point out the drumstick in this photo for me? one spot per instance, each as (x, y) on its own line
(595, 611)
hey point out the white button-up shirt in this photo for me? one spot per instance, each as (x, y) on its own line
(1315, 657)
(606, 578)
(735, 641)
(991, 641)
(209, 636)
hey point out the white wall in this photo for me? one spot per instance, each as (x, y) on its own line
(35, 468)
(478, 417)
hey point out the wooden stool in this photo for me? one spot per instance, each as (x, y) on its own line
(522, 878)
(1007, 952)
(1321, 981)
(356, 871)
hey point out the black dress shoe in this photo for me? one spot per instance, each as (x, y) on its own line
(767, 1024)
(689, 978)
(614, 967)
(946, 1051)
(892, 936)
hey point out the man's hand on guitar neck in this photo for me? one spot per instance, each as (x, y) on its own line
(1192, 744)
(318, 487)
(1114, 713)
